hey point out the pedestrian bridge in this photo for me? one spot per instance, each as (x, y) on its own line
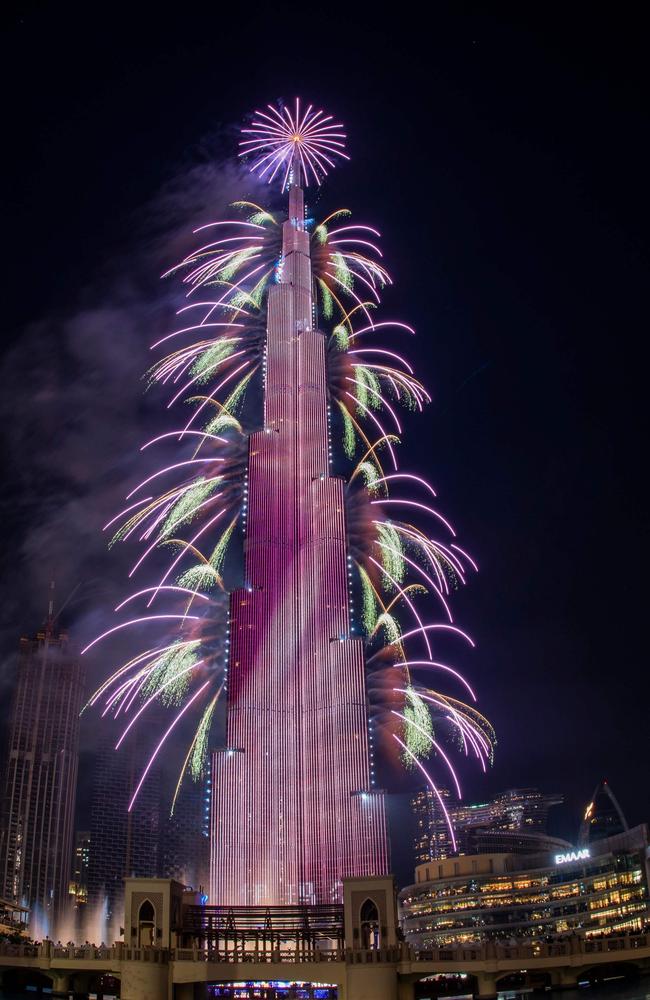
(152, 973)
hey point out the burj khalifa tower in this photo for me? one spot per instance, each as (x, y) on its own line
(294, 809)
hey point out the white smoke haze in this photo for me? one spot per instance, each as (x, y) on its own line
(76, 414)
(76, 411)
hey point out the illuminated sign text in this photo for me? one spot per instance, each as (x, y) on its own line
(561, 859)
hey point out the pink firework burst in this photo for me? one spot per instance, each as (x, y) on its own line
(282, 140)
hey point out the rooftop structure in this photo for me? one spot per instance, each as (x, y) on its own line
(603, 816)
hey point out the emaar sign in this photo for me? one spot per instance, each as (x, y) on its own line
(561, 859)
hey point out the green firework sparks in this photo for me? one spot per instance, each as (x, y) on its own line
(392, 552)
(170, 674)
(418, 729)
(207, 362)
(186, 507)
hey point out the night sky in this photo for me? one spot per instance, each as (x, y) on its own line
(503, 155)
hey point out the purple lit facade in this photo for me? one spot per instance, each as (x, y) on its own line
(294, 809)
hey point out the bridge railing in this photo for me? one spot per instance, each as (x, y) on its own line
(573, 945)
(467, 955)
(370, 956)
(631, 941)
(18, 950)
(260, 956)
(118, 952)
(160, 956)
(82, 951)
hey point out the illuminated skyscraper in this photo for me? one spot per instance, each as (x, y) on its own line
(41, 772)
(80, 860)
(432, 840)
(294, 810)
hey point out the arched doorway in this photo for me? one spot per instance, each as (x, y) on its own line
(609, 972)
(445, 984)
(104, 986)
(369, 921)
(29, 981)
(146, 924)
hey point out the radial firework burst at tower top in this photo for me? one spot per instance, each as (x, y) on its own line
(288, 390)
(282, 138)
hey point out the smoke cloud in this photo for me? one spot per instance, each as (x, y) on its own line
(76, 413)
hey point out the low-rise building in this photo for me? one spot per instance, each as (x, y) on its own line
(594, 890)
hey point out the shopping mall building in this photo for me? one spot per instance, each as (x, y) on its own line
(590, 890)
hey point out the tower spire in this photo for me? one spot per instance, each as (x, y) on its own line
(49, 621)
(296, 200)
(296, 170)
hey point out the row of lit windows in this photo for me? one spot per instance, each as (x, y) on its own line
(541, 920)
(513, 903)
(519, 918)
(473, 937)
(430, 905)
(509, 919)
(579, 885)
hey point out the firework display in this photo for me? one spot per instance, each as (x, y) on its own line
(335, 650)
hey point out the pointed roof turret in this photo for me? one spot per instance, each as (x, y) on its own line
(603, 816)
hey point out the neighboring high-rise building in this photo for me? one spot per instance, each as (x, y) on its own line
(294, 808)
(122, 843)
(603, 816)
(432, 840)
(41, 772)
(185, 836)
(80, 861)
(515, 821)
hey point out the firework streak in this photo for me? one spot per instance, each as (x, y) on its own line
(314, 691)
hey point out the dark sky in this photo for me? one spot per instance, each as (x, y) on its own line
(503, 154)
